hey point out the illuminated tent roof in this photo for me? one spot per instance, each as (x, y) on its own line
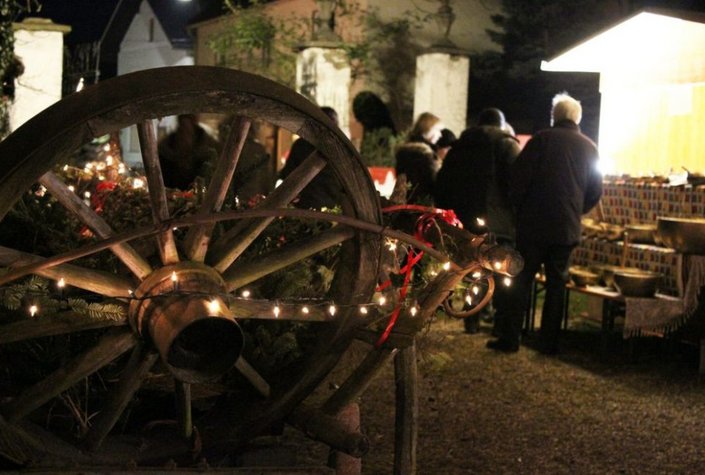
(649, 37)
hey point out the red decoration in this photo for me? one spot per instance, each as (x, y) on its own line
(423, 223)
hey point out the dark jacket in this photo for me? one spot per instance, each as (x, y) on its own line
(554, 181)
(419, 163)
(324, 190)
(474, 179)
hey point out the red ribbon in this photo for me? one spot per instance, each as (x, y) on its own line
(423, 223)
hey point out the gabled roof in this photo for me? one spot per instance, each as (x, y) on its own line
(649, 35)
(173, 16)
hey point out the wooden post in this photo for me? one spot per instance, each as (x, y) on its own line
(407, 412)
(343, 463)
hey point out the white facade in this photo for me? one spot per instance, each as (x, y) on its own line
(442, 88)
(146, 46)
(323, 75)
(39, 43)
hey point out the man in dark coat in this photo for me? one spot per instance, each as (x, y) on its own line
(325, 189)
(474, 182)
(474, 178)
(554, 181)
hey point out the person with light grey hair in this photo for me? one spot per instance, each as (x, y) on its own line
(566, 108)
(553, 182)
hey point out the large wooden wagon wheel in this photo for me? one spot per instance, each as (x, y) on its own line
(186, 305)
(193, 329)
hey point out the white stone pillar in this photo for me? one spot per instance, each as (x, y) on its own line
(442, 88)
(323, 75)
(39, 43)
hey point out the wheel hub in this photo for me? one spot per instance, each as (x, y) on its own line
(180, 309)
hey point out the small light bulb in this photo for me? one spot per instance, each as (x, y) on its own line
(304, 310)
(276, 311)
(109, 160)
(245, 293)
(382, 300)
(363, 310)
(33, 309)
(446, 266)
(137, 183)
(174, 277)
(481, 221)
(507, 281)
(72, 188)
(475, 289)
(106, 147)
(497, 265)
(476, 275)
(66, 167)
(332, 310)
(413, 311)
(61, 283)
(87, 194)
(468, 299)
(213, 307)
(130, 292)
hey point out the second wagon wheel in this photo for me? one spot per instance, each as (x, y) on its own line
(183, 302)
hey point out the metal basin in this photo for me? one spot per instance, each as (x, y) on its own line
(606, 272)
(641, 233)
(583, 277)
(686, 235)
(636, 284)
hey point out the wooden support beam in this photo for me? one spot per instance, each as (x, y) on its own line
(327, 429)
(406, 423)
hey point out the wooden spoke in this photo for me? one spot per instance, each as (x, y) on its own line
(141, 361)
(198, 236)
(244, 308)
(257, 381)
(111, 345)
(90, 218)
(359, 380)
(157, 191)
(244, 233)
(240, 274)
(183, 408)
(69, 323)
(103, 283)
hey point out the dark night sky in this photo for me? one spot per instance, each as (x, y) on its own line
(88, 18)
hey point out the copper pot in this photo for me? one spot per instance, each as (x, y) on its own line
(636, 283)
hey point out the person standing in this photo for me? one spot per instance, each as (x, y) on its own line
(474, 182)
(417, 160)
(325, 189)
(554, 181)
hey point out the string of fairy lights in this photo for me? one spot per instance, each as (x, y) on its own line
(111, 168)
(303, 307)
